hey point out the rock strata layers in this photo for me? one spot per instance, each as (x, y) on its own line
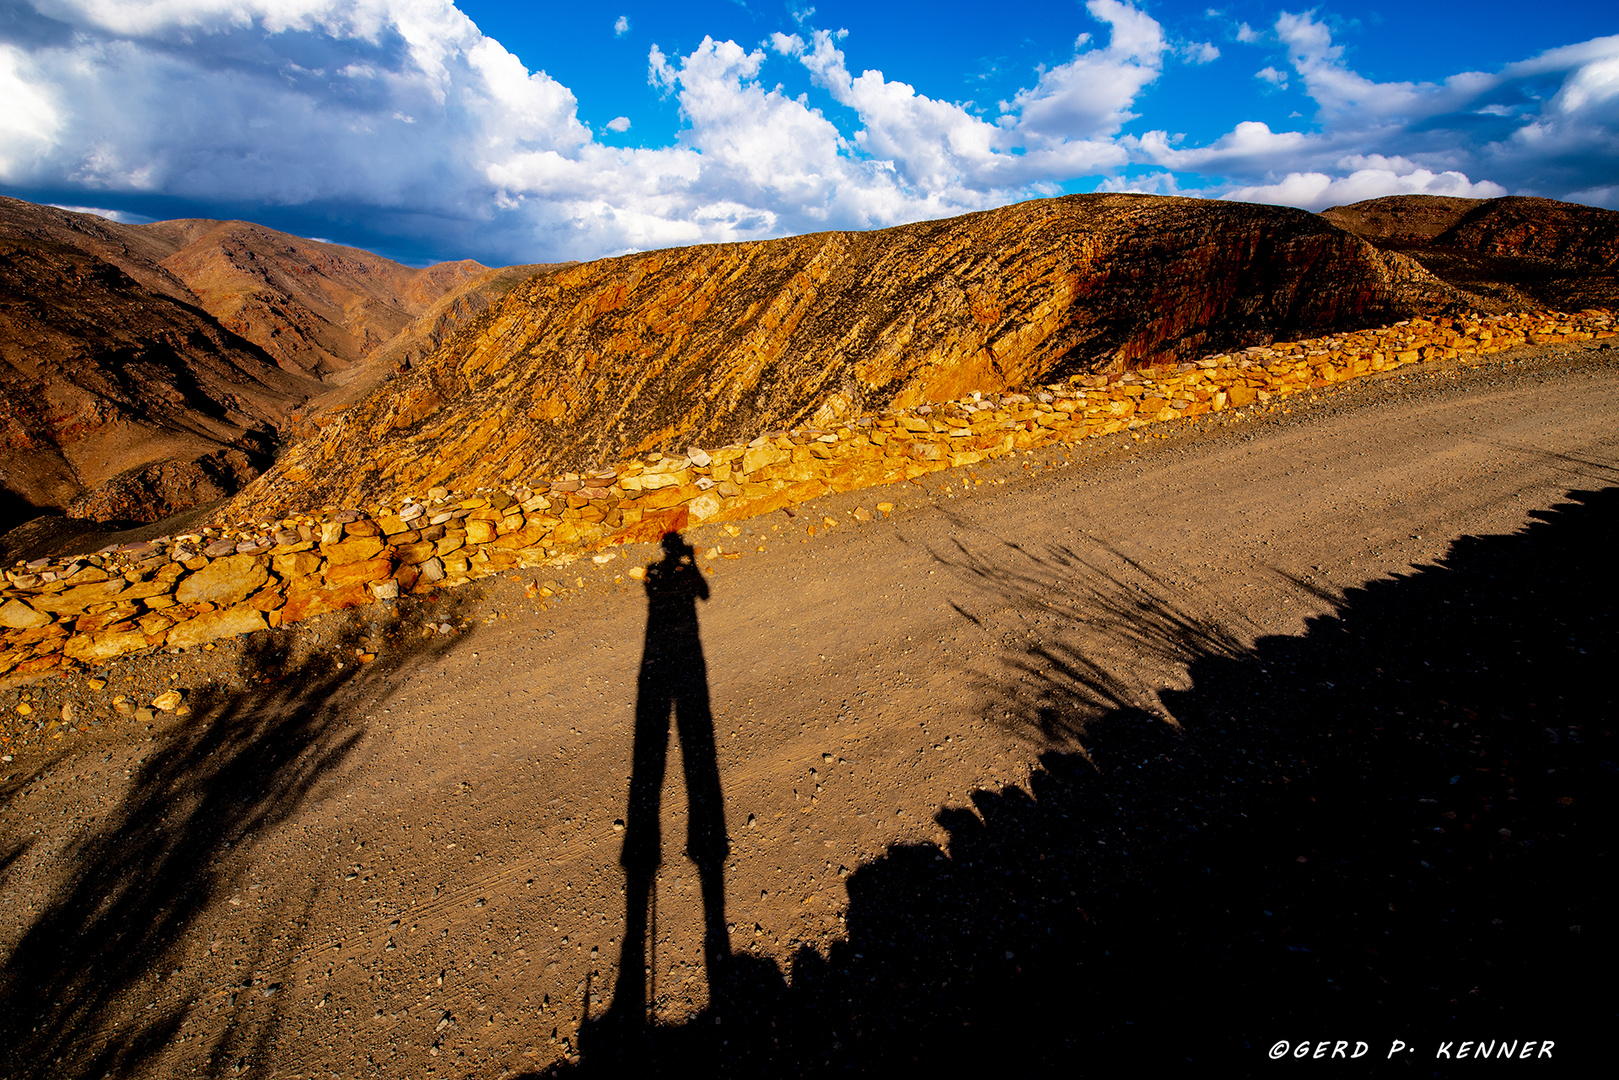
(582, 365)
(184, 591)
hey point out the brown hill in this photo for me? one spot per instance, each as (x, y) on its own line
(1519, 252)
(414, 342)
(340, 314)
(1402, 218)
(318, 309)
(708, 344)
(121, 403)
(137, 253)
(147, 368)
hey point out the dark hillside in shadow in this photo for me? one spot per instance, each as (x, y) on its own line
(1398, 825)
(1520, 252)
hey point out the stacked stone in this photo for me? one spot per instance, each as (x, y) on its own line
(179, 592)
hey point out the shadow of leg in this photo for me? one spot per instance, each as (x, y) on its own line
(707, 843)
(629, 1006)
(716, 938)
(617, 1033)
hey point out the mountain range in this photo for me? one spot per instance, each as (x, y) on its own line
(145, 369)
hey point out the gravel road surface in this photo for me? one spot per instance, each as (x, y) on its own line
(1289, 726)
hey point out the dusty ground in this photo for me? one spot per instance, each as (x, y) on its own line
(1288, 726)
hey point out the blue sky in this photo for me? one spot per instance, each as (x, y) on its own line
(515, 131)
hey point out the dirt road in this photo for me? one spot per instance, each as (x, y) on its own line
(1288, 727)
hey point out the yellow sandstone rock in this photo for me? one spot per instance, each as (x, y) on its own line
(88, 648)
(352, 551)
(213, 625)
(364, 572)
(224, 581)
(296, 564)
(77, 599)
(16, 615)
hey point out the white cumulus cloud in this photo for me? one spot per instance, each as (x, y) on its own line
(119, 216)
(1093, 94)
(1473, 133)
(404, 115)
(1155, 183)
(1317, 191)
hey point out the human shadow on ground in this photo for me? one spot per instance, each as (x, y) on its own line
(673, 680)
(89, 989)
(1398, 824)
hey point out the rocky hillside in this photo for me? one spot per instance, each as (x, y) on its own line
(318, 309)
(411, 344)
(117, 402)
(1402, 219)
(1515, 251)
(706, 344)
(188, 589)
(148, 368)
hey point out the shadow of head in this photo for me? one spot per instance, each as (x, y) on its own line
(673, 583)
(133, 885)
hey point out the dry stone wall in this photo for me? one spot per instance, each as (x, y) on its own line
(184, 591)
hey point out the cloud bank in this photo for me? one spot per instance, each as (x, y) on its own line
(1547, 125)
(403, 112)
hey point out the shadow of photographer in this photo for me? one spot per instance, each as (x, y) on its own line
(1396, 824)
(673, 682)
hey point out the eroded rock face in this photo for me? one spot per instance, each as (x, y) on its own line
(1516, 251)
(700, 345)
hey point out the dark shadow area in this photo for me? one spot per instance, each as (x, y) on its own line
(79, 995)
(673, 680)
(14, 511)
(1396, 825)
(51, 532)
(1052, 688)
(1519, 282)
